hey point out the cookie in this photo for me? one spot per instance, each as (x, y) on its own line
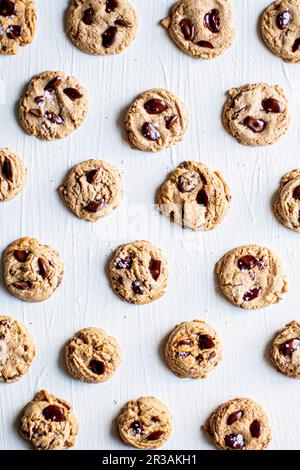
(145, 423)
(285, 351)
(92, 190)
(287, 204)
(256, 114)
(156, 120)
(32, 271)
(53, 106)
(17, 25)
(193, 196)
(280, 29)
(13, 174)
(49, 423)
(138, 272)
(101, 27)
(239, 424)
(193, 349)
(17, 350)
(201, 28)
(92, 355)
(251, 277)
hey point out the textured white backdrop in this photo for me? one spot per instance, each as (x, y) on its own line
(85, 298)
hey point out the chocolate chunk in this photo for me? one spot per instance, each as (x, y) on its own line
(124, 263)
(188, 181)
(136, 287)
(205, 342)
(202, 198)
(36, 112)
(255, 428)
(43, 268)
(150, 131)
(206, 44)
(98, 367)
(54, 413)
(21, 255)
(248, 262)
(156, 435)
(188, 29)
(296, 193)
(22, 285)
(54, 83)
(271, 105)
(234, 417)
(252, 294)
(73, 93)
(111, 5)
(109, 36)
(212, 355)
(155, 106)
(95, 206)
(171, 120)
(92, 175)
(155, 268)
(7, 8)
(296, 45)
(283, 19)
(39, 100)
(7, 170)
(14, 31)
(235, 441)
(290, 346)
(124, 23)
(137, 427)
(53, 117)
(212, 20)
(88, 16)
(256, 125)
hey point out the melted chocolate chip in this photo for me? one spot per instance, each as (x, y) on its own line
(95, 206)
(155, 106)
(43, 268)
(171, 120)
(188, 29)
(205, 342)
(188, 181)
(39, 100)
(54, 413)
(252, 294)
(156, 435)
(53, 117)
(98, 367)
(22, 285)
(124, 263)
(248, 262)
(124, 23)
(21, 255)
(283, 19)
(234, 417)
(271, 105)
(212, 20)
(256, 125)
(92, 175)
(111, 5)
(235, 441)
(14, 31)
(37, 112)
(150, 132)
(296, 45)
(296, 193)
(136, 287)
(7, 8)
(7, 170)
(88, 16)
(54, 83)
(155, 268)
(206, 44)
(202, 198)
(289, 346)
(73, 93)
(255, 428)
(109, 36)
(137, 427)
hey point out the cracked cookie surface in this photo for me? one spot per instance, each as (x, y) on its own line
(32, 271)
(138, 272)
(280, 28)
(194, 196)
(256, 114)
(145, 423)
(92, 355)
(53, 106)
(193, 349)
(201, 28)
(49, 423)
(92, 190)
(18, 20)
(251, 277)
(17, 349)
(13, 174)
(239, 424)
(287, 204)
(101, 27)
(285, 351)
(156, 120)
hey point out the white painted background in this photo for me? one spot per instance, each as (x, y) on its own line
(85, 298)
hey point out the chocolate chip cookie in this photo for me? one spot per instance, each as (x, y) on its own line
(53, 106)
(239, 424)
(193, 349)
(256, 114)
(49, 423)
(201, 29)
(13, 175)
(285, 351)
(92, 355)
(280, 28)
(17, 349)
(194, 196)
(32, 271)
(102, 27)
(251, 277)
(138, 272)
(92, 190)
(17, 24)
(156, 120)
(287, 204)
(145, 423)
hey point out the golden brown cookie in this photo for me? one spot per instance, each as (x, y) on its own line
(285, 352)
(287, 204)
(13, 175)
(18, 20)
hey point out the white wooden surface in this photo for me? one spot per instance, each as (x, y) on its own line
(85, 298)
